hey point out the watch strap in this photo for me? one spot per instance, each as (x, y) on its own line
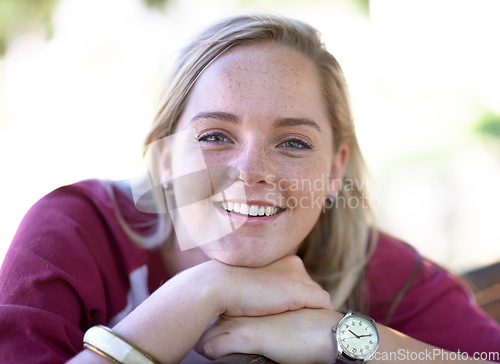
(341, 359)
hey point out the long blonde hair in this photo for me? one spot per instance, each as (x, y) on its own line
(335, 252)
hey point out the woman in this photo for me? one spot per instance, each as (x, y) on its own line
(256, 163)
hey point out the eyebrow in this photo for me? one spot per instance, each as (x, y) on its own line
(284, 122)
(219, 115)
(278, 123)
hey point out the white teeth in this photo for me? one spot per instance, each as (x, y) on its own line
(252, 210)
(244, 209)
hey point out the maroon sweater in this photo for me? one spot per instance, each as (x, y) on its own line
(71, 266)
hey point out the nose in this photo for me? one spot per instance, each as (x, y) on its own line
(255, 163)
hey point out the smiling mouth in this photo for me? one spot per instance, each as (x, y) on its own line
(250, 210)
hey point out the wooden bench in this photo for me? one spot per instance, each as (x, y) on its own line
(485, 284)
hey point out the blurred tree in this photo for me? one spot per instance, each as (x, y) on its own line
(159, 4)
(18, 17)
(365, 5)
(488, 124)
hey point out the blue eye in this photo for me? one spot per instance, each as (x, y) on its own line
(213, 138)
(296, 143)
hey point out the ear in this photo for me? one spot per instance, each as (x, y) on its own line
(338, 169)
(163, 153)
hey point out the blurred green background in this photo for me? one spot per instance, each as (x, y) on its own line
(79, 82)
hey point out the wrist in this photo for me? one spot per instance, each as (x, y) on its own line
(216, 281)
(114, 347)
(210, 289)
(327, 343)
(173, 308)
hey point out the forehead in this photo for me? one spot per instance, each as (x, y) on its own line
(269, 59)
(267, 77)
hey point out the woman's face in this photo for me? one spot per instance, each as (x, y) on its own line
(259, 110)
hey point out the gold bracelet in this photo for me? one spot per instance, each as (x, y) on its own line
(101, 353)
(114, 347)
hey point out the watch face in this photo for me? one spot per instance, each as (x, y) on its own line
(357, 336)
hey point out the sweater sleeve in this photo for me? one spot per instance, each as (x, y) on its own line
(437, 308)
(60, 276)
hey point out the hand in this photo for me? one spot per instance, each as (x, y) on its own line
(291, 337)
(189, 301)
(283, 285)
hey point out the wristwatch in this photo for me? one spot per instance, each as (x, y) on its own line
(357, 338)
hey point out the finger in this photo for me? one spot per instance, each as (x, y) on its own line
(270, 302)
(240, 336)
(309, 293)
(215, 328)
(315, 298)
(281, 286)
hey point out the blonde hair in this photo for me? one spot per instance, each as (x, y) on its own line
(335, 252)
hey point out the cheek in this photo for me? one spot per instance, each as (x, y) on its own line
(305, 186)
(183, 153)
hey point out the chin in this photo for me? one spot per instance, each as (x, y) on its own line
(242, 256)
(244, 261)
